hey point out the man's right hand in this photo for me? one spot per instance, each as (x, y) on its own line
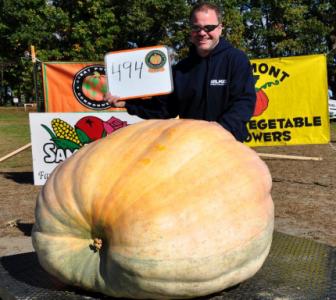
(114, 100)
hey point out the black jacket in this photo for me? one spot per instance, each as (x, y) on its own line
(219, 87)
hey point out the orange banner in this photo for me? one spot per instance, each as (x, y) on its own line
(75, 87)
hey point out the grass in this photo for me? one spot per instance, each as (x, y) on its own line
(14, 133)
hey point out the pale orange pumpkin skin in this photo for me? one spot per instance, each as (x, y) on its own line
(182, 208)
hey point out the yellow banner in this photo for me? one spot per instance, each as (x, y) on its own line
(292, 102)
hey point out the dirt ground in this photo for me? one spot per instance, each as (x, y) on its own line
(304, 194)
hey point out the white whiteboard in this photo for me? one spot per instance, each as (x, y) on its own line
(139, 72)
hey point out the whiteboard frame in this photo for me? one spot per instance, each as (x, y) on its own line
(149, 87)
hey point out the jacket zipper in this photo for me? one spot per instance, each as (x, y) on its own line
(207, 86)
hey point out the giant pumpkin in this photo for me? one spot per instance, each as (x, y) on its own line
(158, 209)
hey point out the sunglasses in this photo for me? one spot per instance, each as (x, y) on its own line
(206, 28)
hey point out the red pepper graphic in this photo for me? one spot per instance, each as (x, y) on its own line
(261, 103)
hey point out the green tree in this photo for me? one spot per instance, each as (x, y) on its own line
(233, 23)
(91, 29)
(284, 28)
(85, 30)
(25, 23)
(96, 27)
(325, 11)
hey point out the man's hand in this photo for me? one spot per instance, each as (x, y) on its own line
(114, 100)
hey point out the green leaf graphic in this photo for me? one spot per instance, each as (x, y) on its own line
(84, 139)
(65, 144)
(52, 135)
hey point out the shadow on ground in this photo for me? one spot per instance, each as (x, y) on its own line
(22, 277)
(25, 228)
(19, 177)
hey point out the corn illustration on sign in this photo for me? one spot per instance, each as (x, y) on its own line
(57, 136)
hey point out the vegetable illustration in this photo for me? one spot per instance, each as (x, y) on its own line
(95, 86)
(90, 128)
(261, 103)
(63, 135)
(113, 124)
(155, 59)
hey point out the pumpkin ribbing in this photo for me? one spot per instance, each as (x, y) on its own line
(181, 208)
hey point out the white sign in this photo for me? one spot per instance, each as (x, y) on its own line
(56, 136)
(140, 72)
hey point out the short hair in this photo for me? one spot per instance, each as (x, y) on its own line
(205, 6)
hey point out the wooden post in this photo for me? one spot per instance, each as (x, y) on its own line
(282, 156)
(15, 152)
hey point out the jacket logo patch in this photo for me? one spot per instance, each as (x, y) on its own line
(218, 82)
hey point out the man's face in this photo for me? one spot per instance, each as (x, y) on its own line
(205, 41)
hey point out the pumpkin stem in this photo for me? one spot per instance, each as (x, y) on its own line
(97, 244)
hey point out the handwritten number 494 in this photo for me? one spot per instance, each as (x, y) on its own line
(128, 69)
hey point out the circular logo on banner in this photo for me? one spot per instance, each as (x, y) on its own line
(89, 87)
(155, 59)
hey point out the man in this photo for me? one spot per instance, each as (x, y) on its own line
(214, 83)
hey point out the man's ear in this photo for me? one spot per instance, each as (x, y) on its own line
(221, 26)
